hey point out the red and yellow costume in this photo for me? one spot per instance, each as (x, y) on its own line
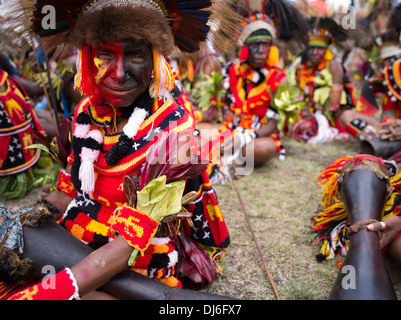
(331, 222)
(306, 74)
(249, 96)
(92, 218)
(392, 96)
(310, 77)
(99, 206)
(17, 120)
(250, 92)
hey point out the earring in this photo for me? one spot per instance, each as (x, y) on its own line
(273, 58)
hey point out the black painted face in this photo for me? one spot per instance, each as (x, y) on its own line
(122, 70)
(316, 55)
(258, 52)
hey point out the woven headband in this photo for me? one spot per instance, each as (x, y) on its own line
(100, 4)
(254, 26)
(261, 37)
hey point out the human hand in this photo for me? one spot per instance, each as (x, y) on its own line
(391, 130)
(306, 113)
(387, 230)
(59, 199)
(233, 144)
(46, 190)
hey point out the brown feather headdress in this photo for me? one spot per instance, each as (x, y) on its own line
(281, 19)
(163, 23)
(167, 25)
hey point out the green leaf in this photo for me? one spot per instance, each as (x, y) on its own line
(38, 146)
(159, 199)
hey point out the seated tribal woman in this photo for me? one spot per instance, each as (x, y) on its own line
(254, 119)
(18, 164)
(253, 79)
(321, 71)
(123, 73)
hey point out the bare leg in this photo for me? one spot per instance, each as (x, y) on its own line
(98, 295)
(393, 261)
(347, 116)
(265, 149)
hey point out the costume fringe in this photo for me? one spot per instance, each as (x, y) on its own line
(84, 80)
(226, 21)
(331, 221)
(163, 77)
(89, 154)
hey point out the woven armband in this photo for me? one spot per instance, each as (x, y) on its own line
(64, 184)
(61, 286)
(135, 227)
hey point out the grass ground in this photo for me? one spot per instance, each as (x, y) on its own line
(280, 198)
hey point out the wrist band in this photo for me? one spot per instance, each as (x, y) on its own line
(388, 120)
(135, 227)
(61, 286)
(64, 184)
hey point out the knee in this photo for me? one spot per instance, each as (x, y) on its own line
(265, 149)
(347, 116)
(395, 250)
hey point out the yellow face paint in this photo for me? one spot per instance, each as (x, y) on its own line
(99, 63)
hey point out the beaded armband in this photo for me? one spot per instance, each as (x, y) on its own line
(135, 227)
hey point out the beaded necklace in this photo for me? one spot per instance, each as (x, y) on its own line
(104, 115)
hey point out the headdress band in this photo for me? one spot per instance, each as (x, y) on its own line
(97, 5)
(319, 41)
(320, 38)
(254, 26)
(388, 50)
(255, 38)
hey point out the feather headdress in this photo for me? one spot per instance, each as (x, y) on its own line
(278, 17)
(324, 31)
(163, 23)
(389, 41)
(166, 25)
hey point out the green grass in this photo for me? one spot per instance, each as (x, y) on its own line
(281, 198)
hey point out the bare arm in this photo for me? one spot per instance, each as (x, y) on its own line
(96, 269)
(337, 73)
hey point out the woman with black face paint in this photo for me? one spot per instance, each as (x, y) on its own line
(253, 80)
(323, 120)
(250, 83)
(123, 72)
